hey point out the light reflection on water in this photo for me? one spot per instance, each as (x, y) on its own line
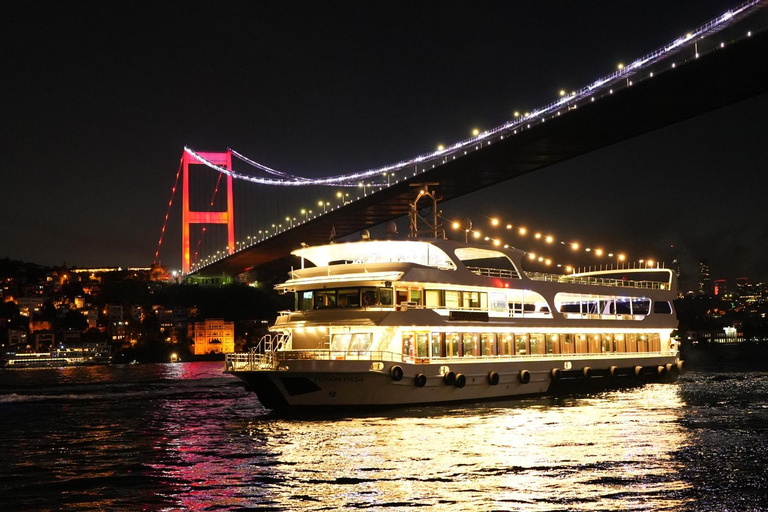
(538, 455)
(185, 436)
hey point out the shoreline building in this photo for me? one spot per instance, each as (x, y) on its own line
(213, 335)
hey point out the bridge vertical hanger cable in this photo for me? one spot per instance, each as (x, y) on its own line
(168, 213)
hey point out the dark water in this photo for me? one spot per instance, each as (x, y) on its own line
(185, 436)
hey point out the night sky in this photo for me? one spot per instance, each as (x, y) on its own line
(99, 99)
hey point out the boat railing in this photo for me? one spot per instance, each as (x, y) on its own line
(251, 362)
(598, 281)
(263, 356)
(504, 273)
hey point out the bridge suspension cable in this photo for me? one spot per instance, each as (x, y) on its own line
(624, 72)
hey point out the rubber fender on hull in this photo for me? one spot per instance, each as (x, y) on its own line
(587, 372)
(672, 369)
(556, 374)
(420, 380)
(638, 371)
(661, 371)
(396, 373)
(613, 371)
(681, 367)
(524, 376)
(493, 378)
(449, 378)
(461, 380)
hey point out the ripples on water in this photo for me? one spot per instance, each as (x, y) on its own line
(185, 436)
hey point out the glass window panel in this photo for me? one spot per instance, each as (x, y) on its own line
(361, 342)
(553, 344)
(568, 343)
(452, 344)
(305, 300)
(471, 344)
(606, 343)
(642, 343)
(582, 346)
(422, 344)
(349, 298)
(433, 298)
(487, 342)
(521, 344)
(594, 343)
(408, 346)
(506, 344)
(340, 342)
(631, 341)
(452, 299)
(537, 344)
(436, 345)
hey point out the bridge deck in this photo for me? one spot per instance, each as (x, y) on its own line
(717, 80)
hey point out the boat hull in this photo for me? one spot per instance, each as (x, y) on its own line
(313, 384)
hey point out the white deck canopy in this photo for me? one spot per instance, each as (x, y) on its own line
(378, 251)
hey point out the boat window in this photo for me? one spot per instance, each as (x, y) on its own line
(619, 343)
(402, 295)
(661, 307)
(452, 344)
(470, 344)
(385, 296)
(325, 299)
(537, 344)
(582, 347)
(521, 344)
(436, 344)
(641, 306)
(586, 304)
(631, 341)
(304, 300)
(498, 302)
(506, 346)
(408, 346)
(654, 342)
(606, 343)
(569, 345)
(433, 298)
(361, 342)
(349, 298)
(340, 342)
(642, 343)
(487, 343)
(471, 300)
(422, 344)
(552, 344)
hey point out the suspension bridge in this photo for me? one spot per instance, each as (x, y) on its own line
(719, 63)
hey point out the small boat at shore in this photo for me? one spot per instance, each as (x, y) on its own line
(429, 320)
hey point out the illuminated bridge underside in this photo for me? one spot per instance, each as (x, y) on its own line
(720, 79)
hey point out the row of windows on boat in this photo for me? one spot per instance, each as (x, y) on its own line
(473, 344)
(498, 302)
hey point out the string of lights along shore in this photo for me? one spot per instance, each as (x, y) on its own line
(274, 212)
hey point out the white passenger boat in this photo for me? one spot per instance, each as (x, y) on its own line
(418, 321)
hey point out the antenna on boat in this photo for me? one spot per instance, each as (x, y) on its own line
(420, 215)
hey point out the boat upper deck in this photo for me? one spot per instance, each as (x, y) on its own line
(390, 259)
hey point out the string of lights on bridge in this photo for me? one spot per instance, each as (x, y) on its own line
(552, 242)
(618, 78)
(624, 76)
